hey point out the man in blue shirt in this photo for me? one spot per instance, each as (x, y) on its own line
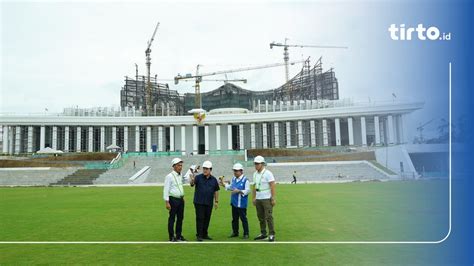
(206, 194)
(240, 187)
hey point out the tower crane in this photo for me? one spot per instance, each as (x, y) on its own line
(286, 55)
(148, 65)
(420, 130)
(198, 77)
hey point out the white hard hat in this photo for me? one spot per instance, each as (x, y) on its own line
(237, 166)
(192, 167)
(175, 161)
(259, 159)
(207, 164)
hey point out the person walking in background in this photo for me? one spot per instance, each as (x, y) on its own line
(294, 178)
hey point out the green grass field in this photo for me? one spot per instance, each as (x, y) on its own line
(362, 211)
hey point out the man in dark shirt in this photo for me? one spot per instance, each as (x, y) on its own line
(206, 194)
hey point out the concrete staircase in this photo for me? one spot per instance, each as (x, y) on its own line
(81, 177)
(160, 167)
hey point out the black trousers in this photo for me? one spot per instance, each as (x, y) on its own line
(176, 213)
(242, 214)
(203, 218)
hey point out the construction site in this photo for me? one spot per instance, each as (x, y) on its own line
(151, 97)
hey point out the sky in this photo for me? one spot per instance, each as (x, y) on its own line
(56, 55)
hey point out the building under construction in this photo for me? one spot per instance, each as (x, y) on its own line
(311, 83)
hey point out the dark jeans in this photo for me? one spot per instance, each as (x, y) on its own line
(177, 211)
(242, 214)
(265, 215)
(203, 217)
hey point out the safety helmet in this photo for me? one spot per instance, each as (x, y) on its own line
(237, 166)
(259, 159)
(175, 161)
(207, 164)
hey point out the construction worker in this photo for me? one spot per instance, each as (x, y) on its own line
(206, 195)
(240, 188)
(264, 198)
(173, 194)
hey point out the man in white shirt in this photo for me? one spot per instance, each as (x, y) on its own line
(264, 198)
(173, 194)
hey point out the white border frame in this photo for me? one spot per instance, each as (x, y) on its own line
(278, 242)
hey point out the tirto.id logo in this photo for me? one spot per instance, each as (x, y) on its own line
(402, 33)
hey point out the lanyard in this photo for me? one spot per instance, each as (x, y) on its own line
(258, 183)
(177, 184)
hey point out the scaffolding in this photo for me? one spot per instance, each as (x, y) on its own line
(311, 83)
(164, 102)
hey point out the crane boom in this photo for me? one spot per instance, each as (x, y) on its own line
(198, 77)
(179, 77)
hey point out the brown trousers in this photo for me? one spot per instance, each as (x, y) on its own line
(265, 215)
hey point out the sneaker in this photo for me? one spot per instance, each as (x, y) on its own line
(207, 237)
(173, 239)
(271, 238)
(234, 235)
(246, 237)
(181, 238)
(260, 237)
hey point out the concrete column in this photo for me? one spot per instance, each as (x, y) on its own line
(102, 139)
(66, 139)
(258, 106)
(390, 133)
(171, 138)
(276, 130)
(218, 137)
(264, 135)
(288, 134)
(273, 106)
(229, 137)
(183, 140)
(91, 139)
(114, 135)
(11, 137)
(160, 139)
(6, 139)
(206, 138)
(54, 145)
(17, 139)
(312, 128)
(30, 140)
(252, 136)
(125, 138)
(241, 137)
(137, 138)
(350, 129)
(42, 137)
(78, 139)
(300, 133)
(400, 129)
(195, 139)
(266, 106)
(148, 139)
(281, 106)
(337, 127)
(363, 131)
(325, 133)
(377, 130)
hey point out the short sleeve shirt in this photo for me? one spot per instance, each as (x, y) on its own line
(205, 188)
